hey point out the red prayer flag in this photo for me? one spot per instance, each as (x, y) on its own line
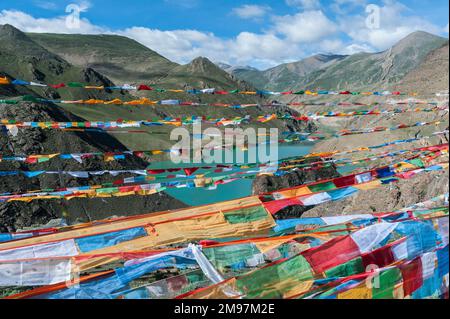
(144, 87)
(381, 257)
(412, 276)
(275, 206)
(31, 160)
(190, 171)
(208, 242)
(156, 171)
(345, 181)
(57, 86)
(331, 254)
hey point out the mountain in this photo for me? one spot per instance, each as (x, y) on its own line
(371, 70)
(121, 59)
(361, 70)
(22, 58)
(431, 75)
(124, 60)
(286, 75)
(202, 73)
(35, 57)
(230, 68)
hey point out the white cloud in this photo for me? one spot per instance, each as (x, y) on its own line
(304, 4)
(285, 38)
(331, 45)
(251, 11)
(355, 48)
(28, 23)
(446, 29)
(305, 27)
(179, 45)
(267, 47)
(395, 24)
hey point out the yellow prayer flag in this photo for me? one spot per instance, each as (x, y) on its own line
(368, 186)
(4, 81)
(361, 292)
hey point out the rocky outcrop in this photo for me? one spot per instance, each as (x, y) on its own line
(37, 141)
(387, 198)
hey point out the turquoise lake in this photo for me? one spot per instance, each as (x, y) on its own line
(236, 189)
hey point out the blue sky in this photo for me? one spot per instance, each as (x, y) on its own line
(245, 32)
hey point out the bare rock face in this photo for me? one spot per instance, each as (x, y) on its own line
(17, 215)
(387, 198)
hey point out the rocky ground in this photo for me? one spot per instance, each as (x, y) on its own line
(387, 198)
(14, 216)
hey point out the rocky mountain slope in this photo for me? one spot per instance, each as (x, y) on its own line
(16, 215)
(376, 69)
(285, 75)
(22, 58)
(119, 58)
(361, 70)
(431, 75)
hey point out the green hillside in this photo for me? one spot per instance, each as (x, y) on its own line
(286, 76)
(379, 69)
(24, 57)
(119, 58)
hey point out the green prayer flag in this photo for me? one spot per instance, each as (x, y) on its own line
(352, 267)
(322, 187)
(246, 215)
(75, 85)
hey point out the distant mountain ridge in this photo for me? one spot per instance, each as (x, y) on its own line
(361, 70)
(286, 75)
(371, 70)
(230, 68)
(124, 60)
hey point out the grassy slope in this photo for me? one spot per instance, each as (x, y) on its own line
(33, 60)
(377, 70)
(286, 76)
(117, 57)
